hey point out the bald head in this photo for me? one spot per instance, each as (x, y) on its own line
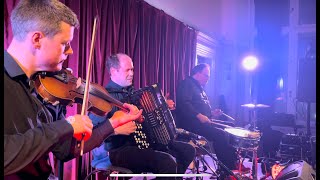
(201, 73)
(120, 67)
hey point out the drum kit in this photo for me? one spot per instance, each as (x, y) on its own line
(242, 139)
(245, 140)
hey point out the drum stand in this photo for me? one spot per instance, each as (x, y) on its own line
(239, 157)
(255, 150)
(216, 160)
(205, 164)
(254, 164)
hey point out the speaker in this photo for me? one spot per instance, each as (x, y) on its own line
(299, 170)
(307, 80)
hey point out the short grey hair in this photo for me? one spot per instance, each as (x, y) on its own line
(113, 61)
(40, 15)
(198, 68)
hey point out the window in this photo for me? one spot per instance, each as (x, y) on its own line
(206, 53)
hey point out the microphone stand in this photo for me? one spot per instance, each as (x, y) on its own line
(214, 158)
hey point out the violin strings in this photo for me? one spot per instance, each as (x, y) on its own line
(106, 97)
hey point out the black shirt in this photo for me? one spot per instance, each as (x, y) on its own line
(27, 135)
(30, 131)
(191, 100)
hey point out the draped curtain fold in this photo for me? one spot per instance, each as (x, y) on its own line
(162, 48)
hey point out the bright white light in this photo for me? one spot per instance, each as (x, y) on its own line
(250, 63)
(280, 83)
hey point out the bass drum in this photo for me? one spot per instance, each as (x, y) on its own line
(243, 139)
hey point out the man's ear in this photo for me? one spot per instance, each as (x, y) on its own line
(196, 75)
(36, 39)
(112, 70)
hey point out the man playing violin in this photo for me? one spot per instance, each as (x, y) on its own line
(42, 32)
(122, 149)
(194, 113)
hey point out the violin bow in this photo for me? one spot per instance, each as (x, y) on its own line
(86, 90)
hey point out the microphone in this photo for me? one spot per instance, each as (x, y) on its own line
(190, 134)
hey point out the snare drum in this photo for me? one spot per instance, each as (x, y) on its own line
(243, 139)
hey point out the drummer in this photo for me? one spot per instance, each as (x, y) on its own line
(194, 113)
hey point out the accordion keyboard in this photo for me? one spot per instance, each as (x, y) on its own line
(158, 127)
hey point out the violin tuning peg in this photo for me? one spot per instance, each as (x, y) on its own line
(79, 82)
(70, 70)
(56, 103)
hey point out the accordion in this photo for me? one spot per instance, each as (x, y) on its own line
(158, 127)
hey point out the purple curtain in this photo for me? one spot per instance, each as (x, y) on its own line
(162, 48)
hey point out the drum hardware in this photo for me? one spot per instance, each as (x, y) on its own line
(245, 140)
(240, 159)
(195, 165)
(219, 163)
(206, 166)
(254, 107)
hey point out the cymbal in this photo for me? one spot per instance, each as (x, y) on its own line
(253, 106)
(297, 126)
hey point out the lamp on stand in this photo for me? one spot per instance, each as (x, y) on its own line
(250, 63)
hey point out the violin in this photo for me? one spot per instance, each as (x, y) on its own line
(63, 88)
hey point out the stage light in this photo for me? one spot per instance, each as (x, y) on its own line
(280, 83)
(250, 63)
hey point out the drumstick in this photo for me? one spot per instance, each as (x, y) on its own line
(219, 124)
(228, 116)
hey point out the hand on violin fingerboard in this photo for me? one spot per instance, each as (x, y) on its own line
(121, 117)
(81, 125)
